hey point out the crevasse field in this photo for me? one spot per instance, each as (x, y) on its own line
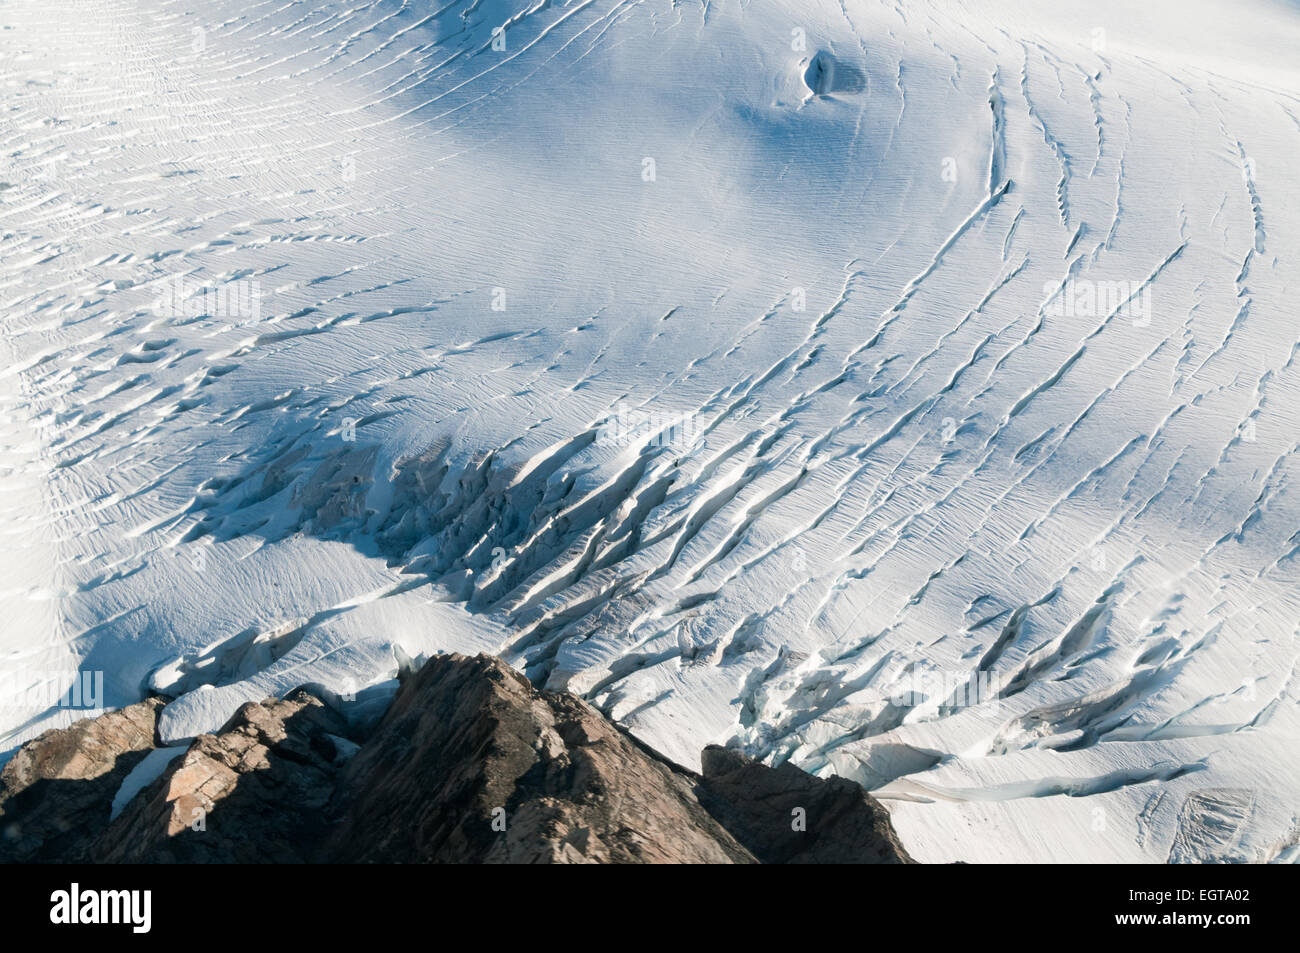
(906, 391)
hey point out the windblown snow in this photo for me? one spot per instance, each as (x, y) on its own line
(906, 391)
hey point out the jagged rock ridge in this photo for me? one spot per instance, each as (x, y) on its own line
(471, 764)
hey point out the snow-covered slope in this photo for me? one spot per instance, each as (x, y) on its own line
(908, 391)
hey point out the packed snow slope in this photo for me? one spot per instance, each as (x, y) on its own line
(907, 391)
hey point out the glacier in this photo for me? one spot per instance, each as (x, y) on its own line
(906, 390)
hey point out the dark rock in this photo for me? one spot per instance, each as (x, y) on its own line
(786, 816)
(57, 790)
(470, 764)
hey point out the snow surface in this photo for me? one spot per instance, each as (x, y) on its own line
(149, 769)
(762, 392)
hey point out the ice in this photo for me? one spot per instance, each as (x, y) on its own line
(908, 391)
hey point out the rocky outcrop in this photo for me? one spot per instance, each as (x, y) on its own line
(255, 793)
(471, 764)
(56, 792)
(786, 816)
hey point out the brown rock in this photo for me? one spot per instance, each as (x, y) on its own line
(57, 790)
(471, 764)
(469, 741)
(787, 816)
(254, 793)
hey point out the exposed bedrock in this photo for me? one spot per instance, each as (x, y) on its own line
(57, 790)
(471, 764)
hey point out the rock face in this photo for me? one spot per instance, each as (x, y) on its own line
(255, 793)
(786, 816)
(57, 790)
(471, 764)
